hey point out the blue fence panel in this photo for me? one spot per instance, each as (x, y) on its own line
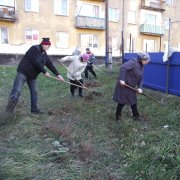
(174, 74)
(155, 72)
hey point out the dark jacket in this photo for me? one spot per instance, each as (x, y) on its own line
(34, 61)
(91, 59)
(131, 72)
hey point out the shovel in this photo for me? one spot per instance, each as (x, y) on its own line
(67, 82)
(71, 74)
(134, 89)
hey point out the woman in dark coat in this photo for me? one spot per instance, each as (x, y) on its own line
(131, 74)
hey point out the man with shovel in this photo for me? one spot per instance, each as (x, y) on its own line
(130, 75)
(31, 65)
(75, 69)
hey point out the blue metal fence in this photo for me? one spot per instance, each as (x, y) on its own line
(159, 75)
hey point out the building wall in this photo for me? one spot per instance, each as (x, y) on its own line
(48, 24)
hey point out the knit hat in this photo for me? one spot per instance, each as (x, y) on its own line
(45, 41)
(143, 56)
(85, 57)
(76, 52)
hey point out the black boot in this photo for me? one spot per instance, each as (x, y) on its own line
(118, 117)
(11, 106)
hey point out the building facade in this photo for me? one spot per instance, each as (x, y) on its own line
(143, 24)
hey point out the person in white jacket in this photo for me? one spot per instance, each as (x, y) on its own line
(75, 69)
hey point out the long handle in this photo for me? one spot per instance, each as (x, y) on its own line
(134, 89)
(71, 83)
(95, 67)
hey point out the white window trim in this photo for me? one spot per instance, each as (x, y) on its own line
(31, 42)
(1, 35)
(62, 45)
(130, 22)
(60, 13)
(34, 8)
(92, 42)
(117, 18)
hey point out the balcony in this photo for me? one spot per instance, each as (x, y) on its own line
(153, 5)
(84, 22)
(7, 13)
(152, 29)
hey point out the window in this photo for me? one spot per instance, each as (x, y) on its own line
(113, 15)
(115, 43)
(31, 36)
(3, 35)
(149, 45)
(61, 7)
(31, 5)
(89, 10)
(89, 40)
(169, 2)
(132, 17)
(7, 3)
(150, 19)
(62, 40)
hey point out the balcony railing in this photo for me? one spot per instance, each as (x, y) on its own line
(155, 5)
(152, 29)
(85, 22)
(7, 13)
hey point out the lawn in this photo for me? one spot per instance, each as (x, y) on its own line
(78, 138)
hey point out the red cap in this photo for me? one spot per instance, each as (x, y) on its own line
(45, 41)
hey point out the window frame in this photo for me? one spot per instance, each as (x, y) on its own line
(31, 41)
(114, 15)
(34, 6)
(2, 40)
(94, 38)
(60, 11)
(65, 43)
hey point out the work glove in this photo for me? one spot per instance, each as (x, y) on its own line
(140, 91)
(60, 78)
(122, 82)
(47, 74)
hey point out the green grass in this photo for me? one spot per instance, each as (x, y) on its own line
(98, 148)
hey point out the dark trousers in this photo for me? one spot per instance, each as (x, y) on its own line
(120, 107)
(72, 87)
(17, 86)
(90, 69)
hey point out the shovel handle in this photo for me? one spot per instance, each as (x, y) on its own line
(67, 82)
(70, 73)
(134, 89)
(95, 67)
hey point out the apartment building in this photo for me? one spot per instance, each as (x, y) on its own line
(144, 25)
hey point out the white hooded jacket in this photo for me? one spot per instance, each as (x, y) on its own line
(75, 68)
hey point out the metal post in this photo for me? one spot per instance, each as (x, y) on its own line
(122, 35)
(130, 44)
(169, 48)
(108, 58)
